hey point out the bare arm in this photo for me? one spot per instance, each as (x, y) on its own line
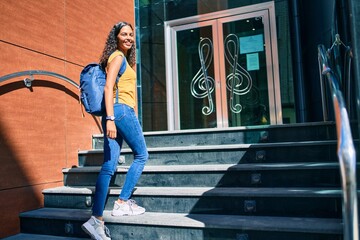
(113, 70)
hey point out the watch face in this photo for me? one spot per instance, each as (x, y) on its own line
(112, 118)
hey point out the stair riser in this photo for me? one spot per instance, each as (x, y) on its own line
(57, 227)
(318, 153)
(236, 136)
(289, 206)
(267, 178)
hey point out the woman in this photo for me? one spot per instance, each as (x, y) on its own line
(120, 123)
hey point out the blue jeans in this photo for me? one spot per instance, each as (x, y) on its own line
(128, 129)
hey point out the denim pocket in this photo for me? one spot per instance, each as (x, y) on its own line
(119, 111)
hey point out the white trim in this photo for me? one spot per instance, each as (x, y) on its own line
(221, 14)
(275, 62)
(169, 84)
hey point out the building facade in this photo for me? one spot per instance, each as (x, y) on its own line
(42, 127)
(259, 59)
(202, 64)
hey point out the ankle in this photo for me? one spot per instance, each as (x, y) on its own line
(121, 201)
(99, 218)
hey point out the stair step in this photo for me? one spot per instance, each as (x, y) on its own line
(218, 167)
(24, 236)
(294, 202)
(220, 175)
(262, 182)
(235, 135)
(225, 154)
(183, 226)
(207, 191)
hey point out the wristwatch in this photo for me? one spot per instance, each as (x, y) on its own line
(111, 118)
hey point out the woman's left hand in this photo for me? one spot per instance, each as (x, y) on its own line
(111, 129)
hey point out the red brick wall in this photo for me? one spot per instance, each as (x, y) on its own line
(41, 129)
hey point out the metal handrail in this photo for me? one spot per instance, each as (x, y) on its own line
(345, 149)
(28, 83)
(31, 73)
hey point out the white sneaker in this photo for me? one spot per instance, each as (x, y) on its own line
(127, 208)
(96, 229)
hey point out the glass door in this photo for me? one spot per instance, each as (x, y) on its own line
(223, 72)
(195, 83)
(246, 69)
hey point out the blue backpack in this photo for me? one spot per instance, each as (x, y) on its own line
(92, 83)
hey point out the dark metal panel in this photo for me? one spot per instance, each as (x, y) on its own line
(354, 8)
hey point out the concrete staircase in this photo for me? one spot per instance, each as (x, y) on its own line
(266, 182)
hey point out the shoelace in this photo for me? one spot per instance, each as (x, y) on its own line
(132, 203)
(107, 231)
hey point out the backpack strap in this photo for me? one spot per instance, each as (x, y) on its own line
(121, 72)
(81, 105)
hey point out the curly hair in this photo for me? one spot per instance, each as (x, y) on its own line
(111, 46)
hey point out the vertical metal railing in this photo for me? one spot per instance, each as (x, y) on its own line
(345, 148)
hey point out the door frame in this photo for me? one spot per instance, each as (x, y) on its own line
(171, 27)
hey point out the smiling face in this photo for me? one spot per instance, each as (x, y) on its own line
(125, 39)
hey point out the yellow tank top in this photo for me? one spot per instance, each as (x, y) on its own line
(126, 83)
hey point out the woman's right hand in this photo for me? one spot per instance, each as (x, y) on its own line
(110, 129)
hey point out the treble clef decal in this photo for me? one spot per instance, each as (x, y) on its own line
(239, 81)
(202, 85)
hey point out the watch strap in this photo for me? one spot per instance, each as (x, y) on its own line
(111, 118)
